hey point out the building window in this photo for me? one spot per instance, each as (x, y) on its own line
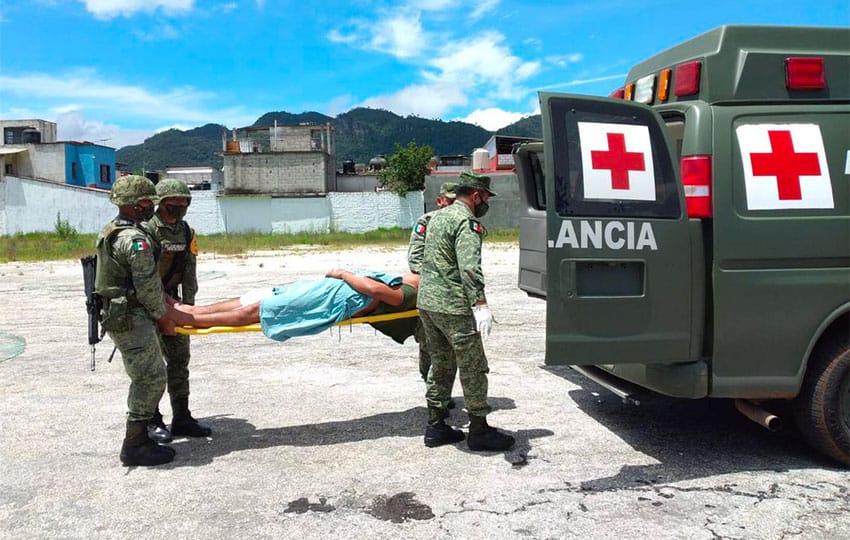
(9, 169)
(316, 139)
(105, 174)
(74, 172)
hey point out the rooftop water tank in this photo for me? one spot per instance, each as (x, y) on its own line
(31, 136)
(480, 159)
(378, 162)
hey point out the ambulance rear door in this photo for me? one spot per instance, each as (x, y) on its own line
(618, 261)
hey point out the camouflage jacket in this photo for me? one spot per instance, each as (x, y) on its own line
(416, 247)
(452, 280)
(178, 258)
(126, 267)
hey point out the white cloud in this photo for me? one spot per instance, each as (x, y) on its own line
(579, 82)
(426, 100)
(483, 61)
(228, 7)
(565, 59)
(108, 9)
(73, 126)
(432, 5)
(400, 36)
(492, 118)
(76, 97)
(483, 7)
(163, 32)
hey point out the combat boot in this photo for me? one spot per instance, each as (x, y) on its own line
(157, 430)
(183, 424)
(438, 434)
(484, 438)
(139, 449)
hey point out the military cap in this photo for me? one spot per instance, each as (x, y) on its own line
(131, 189)
(474, 180)
(447, 189)
(172, 187)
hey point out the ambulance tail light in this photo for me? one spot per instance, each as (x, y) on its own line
(687, 79)
(619, 93)
(696, 177)
(804, 73)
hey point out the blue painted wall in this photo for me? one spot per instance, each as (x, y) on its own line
(83, 163)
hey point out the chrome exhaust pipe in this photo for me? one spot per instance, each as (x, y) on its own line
(754, 412)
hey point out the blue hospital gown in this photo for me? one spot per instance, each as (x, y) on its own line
(305, 308)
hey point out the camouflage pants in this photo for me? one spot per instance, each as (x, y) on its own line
(455, 347)
(424, 357)
(138, 341)
(175, 350)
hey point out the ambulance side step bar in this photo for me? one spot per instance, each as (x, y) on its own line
(620, 388)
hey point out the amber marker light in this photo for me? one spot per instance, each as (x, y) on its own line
(664, 85)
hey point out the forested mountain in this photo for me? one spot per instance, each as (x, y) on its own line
(360, 134)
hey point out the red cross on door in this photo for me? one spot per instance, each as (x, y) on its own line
(785, 164)
(618, 160)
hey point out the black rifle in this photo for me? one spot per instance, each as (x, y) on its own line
(94, 302)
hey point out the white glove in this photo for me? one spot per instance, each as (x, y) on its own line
(483, 319)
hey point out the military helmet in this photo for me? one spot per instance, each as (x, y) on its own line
(447, 189)
(129, 190)
(172, 187)
(474, 180)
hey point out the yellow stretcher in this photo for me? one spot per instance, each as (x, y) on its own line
(191, 331)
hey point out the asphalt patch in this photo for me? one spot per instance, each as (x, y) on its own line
(399, 508)
(303, 505)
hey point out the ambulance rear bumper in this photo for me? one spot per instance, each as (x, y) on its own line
(688, 380)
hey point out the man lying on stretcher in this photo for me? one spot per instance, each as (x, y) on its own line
(310, 307)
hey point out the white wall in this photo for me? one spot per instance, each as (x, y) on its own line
(31, 206)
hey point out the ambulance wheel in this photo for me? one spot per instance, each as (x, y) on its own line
(822, 409)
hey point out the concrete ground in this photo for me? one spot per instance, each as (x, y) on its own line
(321, 437)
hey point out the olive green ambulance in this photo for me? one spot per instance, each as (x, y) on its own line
(691, 233)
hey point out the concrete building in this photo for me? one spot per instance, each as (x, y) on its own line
(27, 131)
(30, 150)
(282, 161)
(196, 176)
(500, 150)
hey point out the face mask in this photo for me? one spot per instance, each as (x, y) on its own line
(145, 213)
(481, 209)
(175, 212)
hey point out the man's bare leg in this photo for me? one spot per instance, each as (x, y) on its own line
(224, 305)
(241, 316)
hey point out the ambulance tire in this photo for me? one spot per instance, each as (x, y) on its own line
(822, 409)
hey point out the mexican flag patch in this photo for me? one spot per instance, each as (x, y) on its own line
(476, 227)
(419, 229)
(140, 245)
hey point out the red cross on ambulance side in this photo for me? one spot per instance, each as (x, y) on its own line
(616, 161)
(784, 166)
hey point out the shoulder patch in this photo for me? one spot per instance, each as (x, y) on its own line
(420, 229)
(193, 246)
(476, 226)
(140, 244)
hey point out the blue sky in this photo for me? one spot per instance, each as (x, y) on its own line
(117, 71)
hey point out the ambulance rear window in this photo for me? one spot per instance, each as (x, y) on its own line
(537, 170)
(622, 195)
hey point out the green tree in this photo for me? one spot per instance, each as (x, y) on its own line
(406, 169)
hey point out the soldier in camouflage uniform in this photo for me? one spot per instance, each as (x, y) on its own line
(454, 313)
(177, 263)
(414, 260)
(133, 308)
